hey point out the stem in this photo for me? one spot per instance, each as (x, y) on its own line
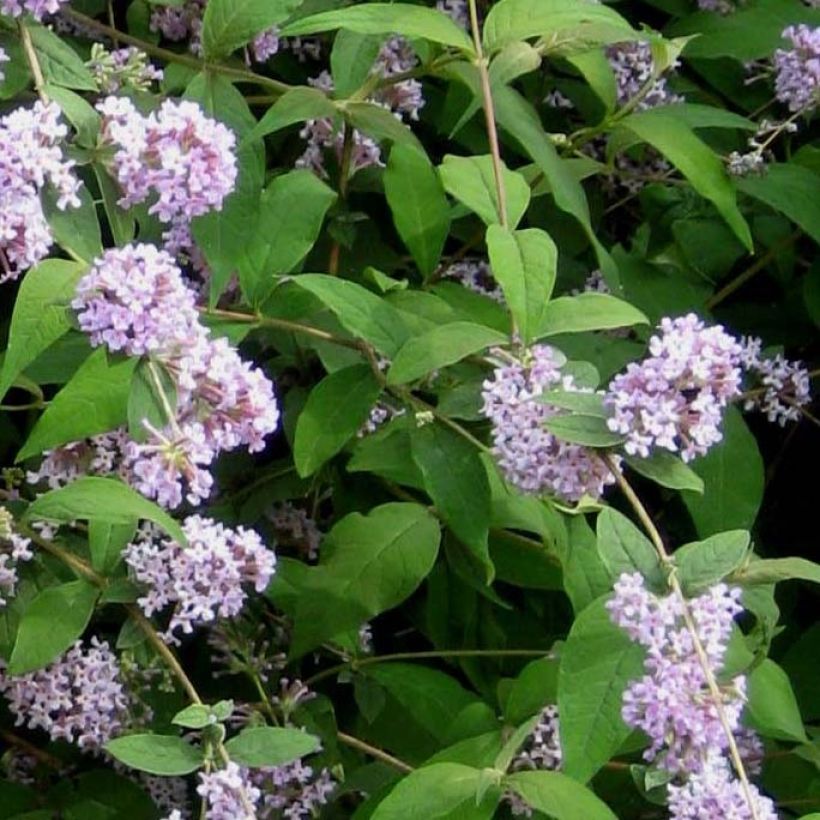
(30, 749)
(489, 115)
(33, 61)
(373, 751)
(703, 660)
(344, 174)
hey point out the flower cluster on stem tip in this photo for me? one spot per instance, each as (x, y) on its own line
(634, 68)
(784, 386)
(38, 9)
(797, 69)
(122, 67)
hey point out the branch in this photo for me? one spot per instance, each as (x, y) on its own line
(33, 61)
(374, 751)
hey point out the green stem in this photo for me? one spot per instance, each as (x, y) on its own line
(374, 751)
(32, 60)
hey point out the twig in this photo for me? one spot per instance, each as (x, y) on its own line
(33, 61)
(375, 752)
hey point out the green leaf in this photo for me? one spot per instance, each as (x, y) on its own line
(525, 265)
(297, 105)
(597, 662)
(360, 312)
(229, 24)
(534, 688)
(373, 563)
(414, 22)
(195, 716)
(586, 404)
(145, 403)
(76, 230)
(440, 347)
(80, 113)
(351, 60)
(335, 410)
(624, 548)
(733, 477)
(455, 478)
(590, 431)
(156, 754)
(703, 563)
(667, 470)
(94, 401)
(471, 180)
(123, 225)
(694, 159)
(558, 796)
(40, 315)
(380, 123)
(101, 499)
(60, 64)
(588, 311)
(270, 746)
(789, 189)
(106, 541)
(771, 707)
(772, 570)
(420, 209)
(51, 623)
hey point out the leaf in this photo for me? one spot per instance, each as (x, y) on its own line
(229, 24)
(101, 499)
(589, 431)
(588, 311)
(94, 401)
(360, 312)
(471, 180)
(534, 688)
(81, 114)
(76, 230)
(351, 60)
(771, 707)
(40, 315)
(703, 563)
(373, 563)
(455, 478)
(297, 105)
(733, 477)
(667, 470)
(419, 206)
(413, 22)
(106, 541)
(122, 224)
(789, 189)
(525, 265)
(624, 548)
(145, 402)
(558, 796)
(270, 746)
(156, 754)
(694, 159)
(597, 662)
(51, 623)
(60, 64)
(440, 347)
(587, 404)
(772, 570)
(335, 410)
(380, 123)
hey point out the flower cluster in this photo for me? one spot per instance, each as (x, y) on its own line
(265, 44)
(634, 68)
(784, 386)
(134, 300)
(202, 581)
(4, 58)
(79, 698)
(228, 793)
(31, 157)
(180, 21)
(674, 398)
(797, 69)
(36, 8)
(475, 274)
(122, 67)
(719, 6)
(531, 457)
(176, 155)
(295, 527)
(294, 790)
(754, 160)
(457, 10)
(100, 455)
(14, 548)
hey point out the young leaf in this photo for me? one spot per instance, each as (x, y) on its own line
(336, 408)
(40, 315)
(624, 548)
(101, 499)
(195, 716)
(156, 754)
(703, 563)
(229, 24)
(771, 706)
(51, 623)
(270, 746)
(94, 401)
(440, 347)
(587, 311)
(525, 264)
(558, 796)
(668, 470)
(471, 180)
(420, 209)
(597, 663)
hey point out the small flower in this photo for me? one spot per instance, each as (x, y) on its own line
(122, 67)
(475, 274)
(797, 69)
(228, 793)
(36, 8)
(634, 67)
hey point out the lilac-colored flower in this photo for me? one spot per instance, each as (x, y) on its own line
(170, 794)
(457, 10)
(4, 58)
(674, 398)
(294, 526)
(14, 548)
(531, 457)
(475, 274)
(294, 790)
(266, 44)
(36, 8)
(797, 69)
(79, 698)
(121, 67)
(228, 793)
(633, 66)
(202, 581)
(719, 6)
(178, 22)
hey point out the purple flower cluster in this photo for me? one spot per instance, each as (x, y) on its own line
(134, 300)
(36, 8)
(672, 703)
(531, 457)
(266, 44)
(101, 455)
(457, 10)
(179, 22)
(294, 790)
(797, 69)
(4, 58)
(113, 70)
(719, 6)
(79, 698)
(228, 793)
(784, 386)
(295, 527)
(31, 157)
(674, 398)
(205, 580)
(634, 67)
(14, 548)
(176, 155)
(475, 274)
